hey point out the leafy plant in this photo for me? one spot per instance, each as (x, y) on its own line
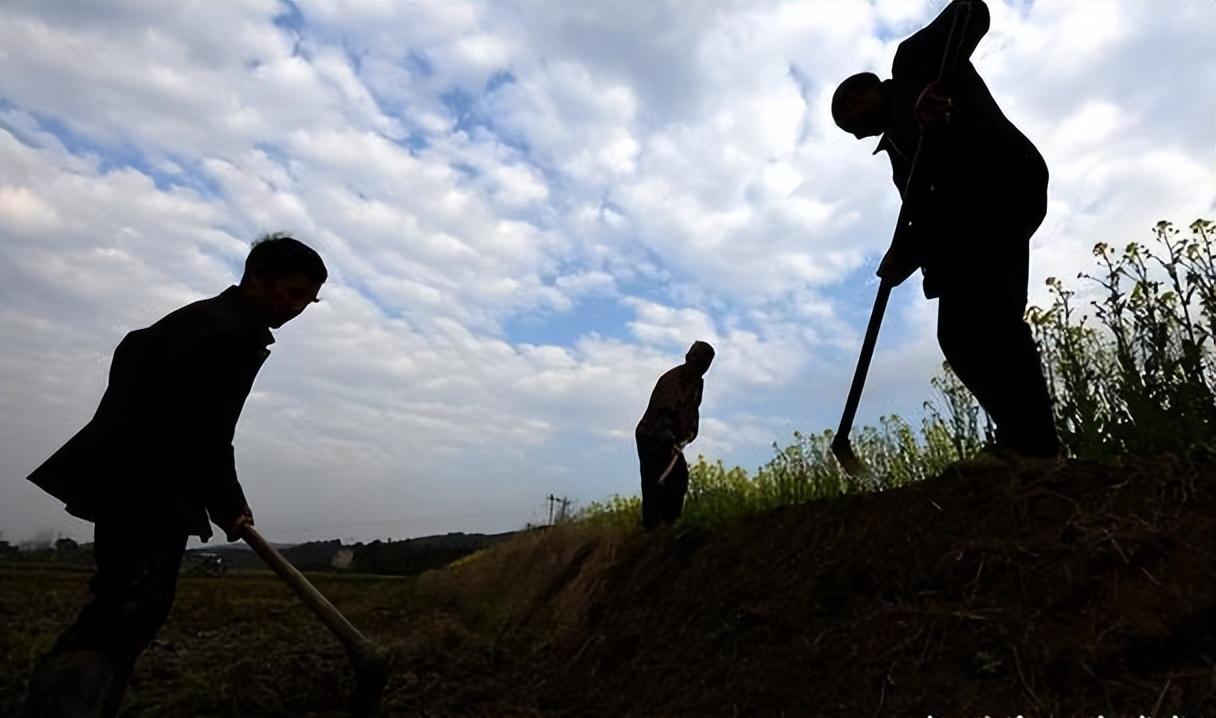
(1141, 377)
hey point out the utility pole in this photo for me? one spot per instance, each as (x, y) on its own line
(563, 508)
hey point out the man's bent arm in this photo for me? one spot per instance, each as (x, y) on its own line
(209, 375)
(968, 17)
(695, 415)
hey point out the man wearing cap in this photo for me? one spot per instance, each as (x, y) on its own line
(670, 423)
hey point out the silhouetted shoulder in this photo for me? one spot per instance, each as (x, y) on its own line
(222, 318)
(675, 375)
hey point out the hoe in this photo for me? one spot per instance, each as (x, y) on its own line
(841, 446)
(372, 663)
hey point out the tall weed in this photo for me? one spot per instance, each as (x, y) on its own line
(1139, 375)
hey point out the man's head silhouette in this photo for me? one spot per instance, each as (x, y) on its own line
(700, 355)
(859, 106)
(282, 277)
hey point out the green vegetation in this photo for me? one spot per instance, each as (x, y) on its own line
(1137, 376)
(1140, 375)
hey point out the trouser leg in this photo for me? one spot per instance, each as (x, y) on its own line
(86, 672)
(675, 486)
(654, 456)
(133, 589)
(652, 499)
(651, 490)
(989, 346)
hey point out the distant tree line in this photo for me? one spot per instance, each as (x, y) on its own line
(393, 558)
(43, 549)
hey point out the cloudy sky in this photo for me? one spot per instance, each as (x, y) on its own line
(529, 211)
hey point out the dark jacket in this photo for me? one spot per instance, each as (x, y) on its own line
(989, 182)
(160, 442)
(673, 414)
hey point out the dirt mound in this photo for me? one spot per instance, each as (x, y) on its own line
(1064, 589)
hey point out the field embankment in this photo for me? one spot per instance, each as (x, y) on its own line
(1073, 589)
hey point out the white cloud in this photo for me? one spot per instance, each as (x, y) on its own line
(466, 167)
(23, 212)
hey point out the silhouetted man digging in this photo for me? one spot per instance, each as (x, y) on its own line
(155, 462)
(670, 423)
(979, 193)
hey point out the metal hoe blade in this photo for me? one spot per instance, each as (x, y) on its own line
(853, 466)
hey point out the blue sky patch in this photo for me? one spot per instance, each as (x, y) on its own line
(124, 155)
(418, 64)
(290, 18)
(604, 316)
(462, 106)
(499, 79)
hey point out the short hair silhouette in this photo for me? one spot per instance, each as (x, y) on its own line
(277, 255)
(700, 350)
(848, 90)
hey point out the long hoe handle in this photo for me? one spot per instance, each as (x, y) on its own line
(841, 446)
(670, 465)
(371, 662)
